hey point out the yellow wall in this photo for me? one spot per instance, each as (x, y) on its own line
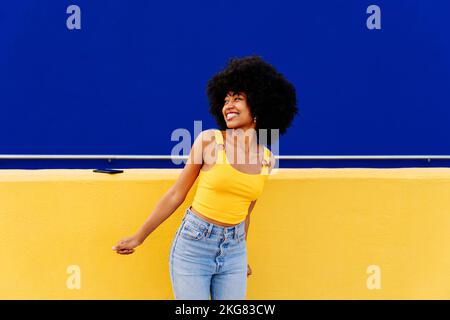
(314, 234)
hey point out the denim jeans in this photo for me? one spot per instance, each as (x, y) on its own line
(208, 261)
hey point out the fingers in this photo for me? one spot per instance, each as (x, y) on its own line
(125, 251)
(122, 244)
(122, 248)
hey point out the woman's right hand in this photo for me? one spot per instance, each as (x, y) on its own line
(126, 245)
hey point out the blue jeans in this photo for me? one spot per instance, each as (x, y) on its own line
(208, 261)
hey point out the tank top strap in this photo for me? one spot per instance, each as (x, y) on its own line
(221, 149)
(266, 162)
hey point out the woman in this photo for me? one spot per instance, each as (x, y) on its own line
(208, 256)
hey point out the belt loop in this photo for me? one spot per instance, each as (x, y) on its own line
(187, 212)
(236, 233)
(208, 233)
(241, 230)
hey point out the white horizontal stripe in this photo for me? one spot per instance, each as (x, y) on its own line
(169, 157)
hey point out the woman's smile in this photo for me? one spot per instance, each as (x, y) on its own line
(231, 116)
(236, 111)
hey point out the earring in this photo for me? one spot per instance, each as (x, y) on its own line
(254, 119)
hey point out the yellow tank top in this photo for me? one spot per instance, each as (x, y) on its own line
(225, 193)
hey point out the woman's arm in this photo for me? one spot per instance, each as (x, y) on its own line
(172, 199)
(247, 219)
(252, 204)
(247, 224)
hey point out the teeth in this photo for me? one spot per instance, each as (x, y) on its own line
(231, 115)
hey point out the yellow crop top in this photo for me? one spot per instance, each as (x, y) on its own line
(224, 193)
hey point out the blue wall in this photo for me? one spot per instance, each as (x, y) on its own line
(137, 70)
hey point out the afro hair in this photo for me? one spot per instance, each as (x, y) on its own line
(271, 98)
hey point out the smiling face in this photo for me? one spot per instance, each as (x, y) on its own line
(236, 111)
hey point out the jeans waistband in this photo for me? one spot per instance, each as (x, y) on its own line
(213, 228)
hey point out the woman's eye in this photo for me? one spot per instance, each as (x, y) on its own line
(226, 101)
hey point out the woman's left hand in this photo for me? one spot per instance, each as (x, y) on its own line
(249, 270)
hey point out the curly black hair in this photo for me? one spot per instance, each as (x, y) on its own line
(271, 98)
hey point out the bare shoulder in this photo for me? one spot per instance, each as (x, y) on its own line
(208, 146)
(272, 160)
(208, 136)
(205, 137)
(201, 142)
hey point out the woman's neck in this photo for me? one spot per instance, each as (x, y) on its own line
(244, 139)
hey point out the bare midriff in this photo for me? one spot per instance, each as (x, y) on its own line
(210, 220)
